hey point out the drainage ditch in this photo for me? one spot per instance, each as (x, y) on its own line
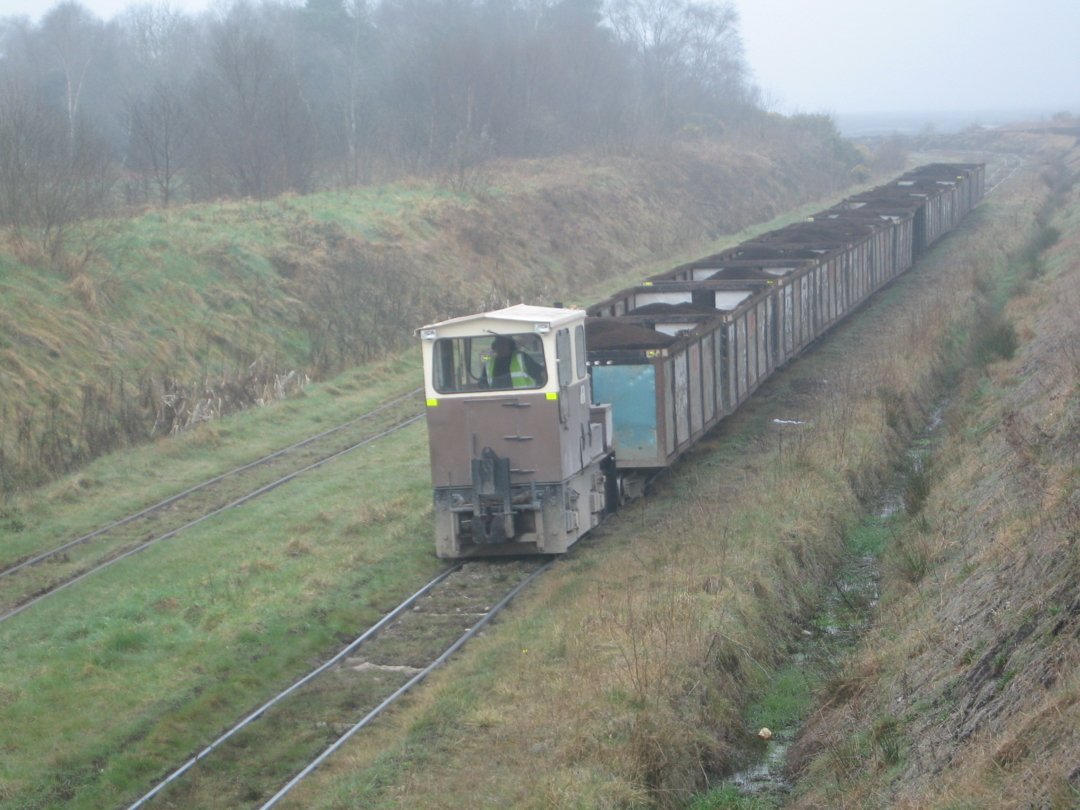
(848, 608)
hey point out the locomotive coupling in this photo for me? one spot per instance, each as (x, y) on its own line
(493, 514)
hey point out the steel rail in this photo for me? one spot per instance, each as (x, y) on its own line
(238, 502)
(420, 676)
(375, 628)
(1011, 168)
(200, 486)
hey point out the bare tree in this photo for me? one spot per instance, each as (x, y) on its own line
(274, 96)
(689, 57)
(257, 127)
(158, 39)
(335, 51)
(161, 48)
(713, 53)
(71, 35)
(653, 32)
(159, 130)
(52, 173)
(582, 90)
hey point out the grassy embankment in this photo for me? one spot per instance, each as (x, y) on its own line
(225, 299)
(109, 683)
(966, 693)
(624, 676)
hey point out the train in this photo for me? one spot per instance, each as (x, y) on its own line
(542, 420)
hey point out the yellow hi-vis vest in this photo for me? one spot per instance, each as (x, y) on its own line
(519, 378)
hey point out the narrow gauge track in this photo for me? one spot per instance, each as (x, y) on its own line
(8, 569)
(317, 714)
(130, 535)
(1003, 169)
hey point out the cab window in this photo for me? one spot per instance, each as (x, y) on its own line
(562, 353)
(488, 362)
(579, 351)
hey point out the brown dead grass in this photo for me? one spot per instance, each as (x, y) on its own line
(978, 660)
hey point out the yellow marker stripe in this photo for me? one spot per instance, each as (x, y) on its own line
(553, 395)
(433, 403)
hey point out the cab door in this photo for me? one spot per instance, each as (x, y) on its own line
(565, 362)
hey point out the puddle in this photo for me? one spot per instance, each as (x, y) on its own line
(765, 780)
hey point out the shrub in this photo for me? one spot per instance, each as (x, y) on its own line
(994, 338)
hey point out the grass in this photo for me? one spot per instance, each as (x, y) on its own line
(118, 485)
(730, 798)
(641, 646)
(788, 696)
(968, 643)
(197, 314)
(634, 654)
(167, 645)
(165, 521)
(995, 338)
(871, 536)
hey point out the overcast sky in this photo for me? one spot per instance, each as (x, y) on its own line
(845, 56)
(870, 55)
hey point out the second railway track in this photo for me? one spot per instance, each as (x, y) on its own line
(37, 576)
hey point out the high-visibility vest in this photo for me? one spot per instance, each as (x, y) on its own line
(519, 378)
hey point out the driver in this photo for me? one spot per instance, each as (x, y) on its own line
(509, 367)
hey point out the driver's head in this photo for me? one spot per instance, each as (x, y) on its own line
(503, 346)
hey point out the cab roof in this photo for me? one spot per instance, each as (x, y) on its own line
(517, 314)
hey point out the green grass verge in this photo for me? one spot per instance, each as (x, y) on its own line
(132, 670)
(122, 483)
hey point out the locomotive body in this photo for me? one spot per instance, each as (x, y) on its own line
(518, 457)
(531, 466)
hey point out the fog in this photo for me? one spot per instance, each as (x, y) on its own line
(946, 61)
(923, 56)
(189, 100)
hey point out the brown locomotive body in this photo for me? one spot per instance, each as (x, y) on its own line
(519, 458)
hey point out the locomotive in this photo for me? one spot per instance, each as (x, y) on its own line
(541, 420)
